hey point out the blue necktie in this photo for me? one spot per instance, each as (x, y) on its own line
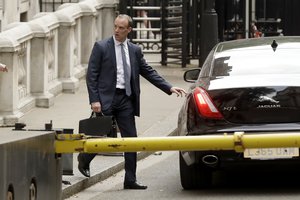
(126, 71)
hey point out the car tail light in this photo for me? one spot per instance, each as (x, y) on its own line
(205, 105)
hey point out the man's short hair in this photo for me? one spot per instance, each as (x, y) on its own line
(124, 16)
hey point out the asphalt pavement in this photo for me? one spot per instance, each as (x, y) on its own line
(159, 113)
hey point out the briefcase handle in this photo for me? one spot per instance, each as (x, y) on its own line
(94, 114)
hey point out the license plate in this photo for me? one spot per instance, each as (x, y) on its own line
(271, 153)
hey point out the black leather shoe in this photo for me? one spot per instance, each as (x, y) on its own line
(134, 186)
(83, 169)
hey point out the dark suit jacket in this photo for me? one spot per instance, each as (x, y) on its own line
(102, 74)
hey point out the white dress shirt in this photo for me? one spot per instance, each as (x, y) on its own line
(119, 61)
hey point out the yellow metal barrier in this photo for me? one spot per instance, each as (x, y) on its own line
(238, 141)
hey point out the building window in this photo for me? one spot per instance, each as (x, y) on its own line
(24, 17)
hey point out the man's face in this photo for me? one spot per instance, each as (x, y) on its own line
(121, 29)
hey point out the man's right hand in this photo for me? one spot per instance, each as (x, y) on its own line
(96, 107)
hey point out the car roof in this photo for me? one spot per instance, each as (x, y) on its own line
(263, 42)
(257, 56)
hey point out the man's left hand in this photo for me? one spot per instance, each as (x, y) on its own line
(3, 68)
(178, 91)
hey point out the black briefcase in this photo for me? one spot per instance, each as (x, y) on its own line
(98, 125)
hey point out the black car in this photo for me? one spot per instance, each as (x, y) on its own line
(249, 85)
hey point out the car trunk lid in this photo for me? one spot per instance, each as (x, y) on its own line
(257, 99)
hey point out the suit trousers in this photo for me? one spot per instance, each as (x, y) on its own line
(123, 110)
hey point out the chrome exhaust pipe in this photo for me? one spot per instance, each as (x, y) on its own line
(210, 160)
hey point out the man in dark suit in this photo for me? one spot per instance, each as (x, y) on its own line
(113, 84)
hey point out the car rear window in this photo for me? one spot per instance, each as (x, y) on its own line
(257, 60)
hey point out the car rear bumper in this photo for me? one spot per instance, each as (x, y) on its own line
(232, 160)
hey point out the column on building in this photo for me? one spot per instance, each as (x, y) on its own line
(44, 59)
(68, 17)
(15, 90)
